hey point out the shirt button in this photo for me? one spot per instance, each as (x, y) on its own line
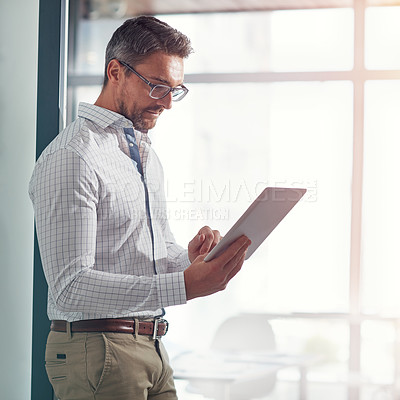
(131, 144)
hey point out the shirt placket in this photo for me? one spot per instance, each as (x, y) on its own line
(141, 168)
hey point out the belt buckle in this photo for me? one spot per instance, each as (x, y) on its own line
(157, 321)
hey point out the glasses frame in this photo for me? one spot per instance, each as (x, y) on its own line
(182, 88)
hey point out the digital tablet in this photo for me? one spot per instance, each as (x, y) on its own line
(260, 219)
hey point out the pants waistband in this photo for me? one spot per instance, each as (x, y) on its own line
(156, 328)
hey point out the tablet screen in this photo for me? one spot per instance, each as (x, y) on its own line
(260, 219)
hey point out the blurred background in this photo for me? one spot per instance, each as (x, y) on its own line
(299, 93)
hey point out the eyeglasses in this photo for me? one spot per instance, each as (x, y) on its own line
(160, 91)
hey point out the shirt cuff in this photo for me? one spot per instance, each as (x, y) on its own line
(185, 262)
(171, 289)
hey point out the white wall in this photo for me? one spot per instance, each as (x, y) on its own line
(18, 72)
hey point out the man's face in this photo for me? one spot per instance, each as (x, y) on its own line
(133, 100)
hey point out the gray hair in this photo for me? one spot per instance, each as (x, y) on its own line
(138, 38)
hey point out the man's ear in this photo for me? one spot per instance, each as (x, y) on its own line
(114, 71)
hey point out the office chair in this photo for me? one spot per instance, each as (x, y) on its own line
(239, 375)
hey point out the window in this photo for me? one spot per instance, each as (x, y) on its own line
(381, 217)
(288, 98)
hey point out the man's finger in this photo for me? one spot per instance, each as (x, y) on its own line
(238, 247)
(236, 267)
(207, 244)
(196, 242)
(208, 240)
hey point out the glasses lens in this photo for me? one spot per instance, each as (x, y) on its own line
(178, 94)
(159, 91)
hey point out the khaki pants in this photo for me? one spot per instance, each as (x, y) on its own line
(108, 366)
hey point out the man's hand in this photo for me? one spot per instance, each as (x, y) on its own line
(203, 242)
(205, 278)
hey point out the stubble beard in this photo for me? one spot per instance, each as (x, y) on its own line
(135, 116)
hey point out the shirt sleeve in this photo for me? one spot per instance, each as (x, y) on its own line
(64, 192)
(178, 257)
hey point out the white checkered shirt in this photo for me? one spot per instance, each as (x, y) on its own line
(94, 234)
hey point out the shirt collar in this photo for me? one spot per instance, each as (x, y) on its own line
(102, 116)
(105, 118)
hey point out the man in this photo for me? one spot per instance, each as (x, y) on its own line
(109, 258)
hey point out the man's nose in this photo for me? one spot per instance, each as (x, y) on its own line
(166, 101)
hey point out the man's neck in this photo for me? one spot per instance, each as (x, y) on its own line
(105, 100)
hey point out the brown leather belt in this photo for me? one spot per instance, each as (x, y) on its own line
(156, 328)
